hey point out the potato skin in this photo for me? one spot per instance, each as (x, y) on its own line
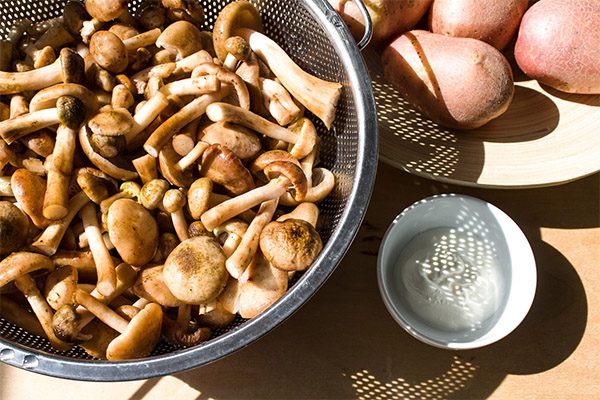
(460, 83)
(390, 17)
(559, 45)
(493, 21)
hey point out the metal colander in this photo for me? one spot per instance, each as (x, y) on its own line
(316, 38)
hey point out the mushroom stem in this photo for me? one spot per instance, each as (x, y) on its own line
(236, 205)
(49, 240)
(241, 258)
(59, 174)
(146, 115)
(41, 309)
(107, 278)
(192, 86)
(146, 168)
(190, 158)
(15, 128)
(143, 39)
(101, 311)
(279, 102)
(16, 82)
(317, 95)
(229, 113)
(177, 121)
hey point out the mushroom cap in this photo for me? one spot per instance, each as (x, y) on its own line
(20, 263)
(66, 323)
(105, 10)
(242, 141)
(199, 197)
(167, 160)
(140, 337)
(291, 171)
(152, 193)
(195, 270)
(150, 285)
(224, 168)
(109, 51)
(113, 122)
(174, 200)
(13, 228)
(72, 66)
(263, 287)
(259, 163)
(235, 14)
(29, 189)
(133, 231)
(290, 245)
(60, 286)
(217, 317)
(238, 47)
(102, 335)
(47, 97)
(74, 14)
(96, 184)
(179, 335)
(71, 111)
(181, 38)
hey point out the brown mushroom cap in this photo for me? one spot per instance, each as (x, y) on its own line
(21, 263)
(96, 184)
(167, 160)
(195, 270)
(235, 14)
(133, 231)
(141, 336)
(60, 286)
(242, 141)
(150, 285)
(13, 228)
(105, 10)
(290, 245)
(181, 38)
(29, 189)
(224, 168)
(199, 196)
(109, 51)
(112, 122)
(291, 171)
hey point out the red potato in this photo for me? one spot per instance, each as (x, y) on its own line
(494, 21)
(390, 17)
(559, 45)
(460, 83)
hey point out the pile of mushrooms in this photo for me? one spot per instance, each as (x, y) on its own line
(157, 180)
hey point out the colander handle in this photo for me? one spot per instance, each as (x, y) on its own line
(368, 24)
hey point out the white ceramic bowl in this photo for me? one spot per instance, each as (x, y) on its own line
(474, 217)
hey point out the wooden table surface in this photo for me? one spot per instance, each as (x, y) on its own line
(343, 344)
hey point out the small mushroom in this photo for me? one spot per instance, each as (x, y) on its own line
(189, 10)
(240, 140)
(263, 286)
(239, 13)
(150, 285)
(290, 245)
(109, 51)
(173, 202)
(240, 259)
(291, 174)
(95, 184)
(278, 101)
(83, 261)
(69, 69)
(237, 50)
(182, 38)
(60, 286)
(226, 112)
(230, 234)
(152, 193)
(106, 10)
(13, 228)
(168, 161)
(133, 231)
(198, 196)
(138, 336)
(323, 182)
(127, 190)
(224, 168)
(183, 331)
(195, 270)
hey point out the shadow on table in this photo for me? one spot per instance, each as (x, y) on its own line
(343, 344)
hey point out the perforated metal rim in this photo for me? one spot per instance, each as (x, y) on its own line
(350, 150)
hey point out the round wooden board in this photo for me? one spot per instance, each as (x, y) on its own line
(545, 138)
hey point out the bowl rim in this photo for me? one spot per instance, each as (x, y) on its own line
(526, 297)
(182, 360)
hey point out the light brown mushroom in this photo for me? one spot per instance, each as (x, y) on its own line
(323, 183)
(26, 284)
(185, 140)
(240, 259)
(133, 231)
(121, 96)
(188, 10)
(138, 336)
(95, 184)
(13, 228)
(106, 10)
(308, 212)
(146, 168)
(242, 141)
(5, 187)
(195, 270)
(291, 174)
(263, 285)
(237, 50)
(168, 161)
(20, 263)
(54, 38)
(198, 197)
(83, 261)
(183, 331)
(68, 68)
(127, 190)
(150, 285)
(71, 114)
(40, 142)
(109, 51)
(173, 202)
(239, 13)
(304, 142)
(60, 286)
(290, 245)
(225, 169)
(182, 38)
(230, 234)
(278, 101)
(152, 193)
